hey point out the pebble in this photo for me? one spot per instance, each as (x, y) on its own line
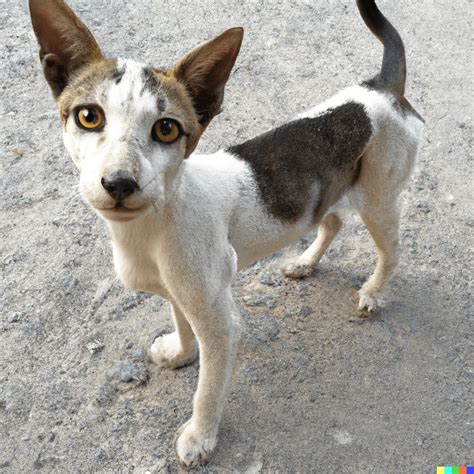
(16, 317)
(269, 301)
(424, 207)
(129, 371)
(106, 395)
(95, 346)
(305, 311)
(266, 279)
(59, 221)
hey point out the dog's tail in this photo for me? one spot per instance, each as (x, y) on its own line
(393, 73)
(392, 76)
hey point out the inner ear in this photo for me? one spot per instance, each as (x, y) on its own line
(65, 42)
(205, 71)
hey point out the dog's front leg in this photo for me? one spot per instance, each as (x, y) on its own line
(177, 349)
(216, 328)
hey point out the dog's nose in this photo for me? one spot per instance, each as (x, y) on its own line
(120, 185)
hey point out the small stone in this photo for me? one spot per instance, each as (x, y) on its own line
(101, 455)
(269, 301)
(423, 207)
(95, 346)
(266, 279)
(254, 301)
(139, 355)
(302, 289)
(305, 311)
(106, 395)
(59, 221)
(128, 371)
(15, 317)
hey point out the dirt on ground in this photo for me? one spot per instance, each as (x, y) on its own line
(315, 387)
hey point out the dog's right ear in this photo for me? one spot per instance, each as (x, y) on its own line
(65, 43)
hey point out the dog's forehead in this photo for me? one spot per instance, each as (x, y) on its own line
(129, 89)
(134, 87)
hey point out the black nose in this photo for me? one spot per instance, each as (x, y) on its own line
(120, 185)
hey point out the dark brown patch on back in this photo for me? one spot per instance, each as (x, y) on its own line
(290, 159)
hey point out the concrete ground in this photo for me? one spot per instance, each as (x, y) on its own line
(315, 388)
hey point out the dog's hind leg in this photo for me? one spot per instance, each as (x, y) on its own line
(178, 348)
(304, 265)
(382, 223)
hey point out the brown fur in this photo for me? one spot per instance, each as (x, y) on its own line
(204, 72)
(176, 92)
(83, 85)
(66, 44)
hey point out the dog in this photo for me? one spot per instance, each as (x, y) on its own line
(183, 224)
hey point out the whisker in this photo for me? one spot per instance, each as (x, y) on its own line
(149, 182)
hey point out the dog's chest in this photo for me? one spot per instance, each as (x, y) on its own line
(138, 270)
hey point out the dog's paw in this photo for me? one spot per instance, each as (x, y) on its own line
(297, 270)
(368, 301)
(193, 446)
(166, 352)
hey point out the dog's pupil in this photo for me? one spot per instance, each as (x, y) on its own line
(90, 115)
(166, 127)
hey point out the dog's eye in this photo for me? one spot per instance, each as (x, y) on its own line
(90, 117)
(166, 131)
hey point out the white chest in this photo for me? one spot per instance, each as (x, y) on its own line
(138, 270)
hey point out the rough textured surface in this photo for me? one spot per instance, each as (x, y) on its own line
(314, 384)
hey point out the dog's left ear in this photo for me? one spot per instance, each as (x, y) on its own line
(204, 72)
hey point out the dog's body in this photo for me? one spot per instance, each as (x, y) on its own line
(181, 228)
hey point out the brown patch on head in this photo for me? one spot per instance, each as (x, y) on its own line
(177, 100)
(83, 84)
(66, 45)
(289, 161)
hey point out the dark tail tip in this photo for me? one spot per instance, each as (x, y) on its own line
(393, 73)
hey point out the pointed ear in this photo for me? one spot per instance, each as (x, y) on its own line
(65, 43)
(205, 70)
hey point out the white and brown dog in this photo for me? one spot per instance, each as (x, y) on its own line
(182, 224)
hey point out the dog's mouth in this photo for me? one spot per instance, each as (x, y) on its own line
(121, 213)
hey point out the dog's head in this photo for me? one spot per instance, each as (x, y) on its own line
(128, 126)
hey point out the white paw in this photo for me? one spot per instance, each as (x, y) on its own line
(194, 446)
(297, 270)
(166, 352)
(368, 301)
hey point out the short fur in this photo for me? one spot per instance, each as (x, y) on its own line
(287, 160)
(182, 224)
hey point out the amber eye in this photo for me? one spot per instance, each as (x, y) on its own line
(166, 131)
(90, 117)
